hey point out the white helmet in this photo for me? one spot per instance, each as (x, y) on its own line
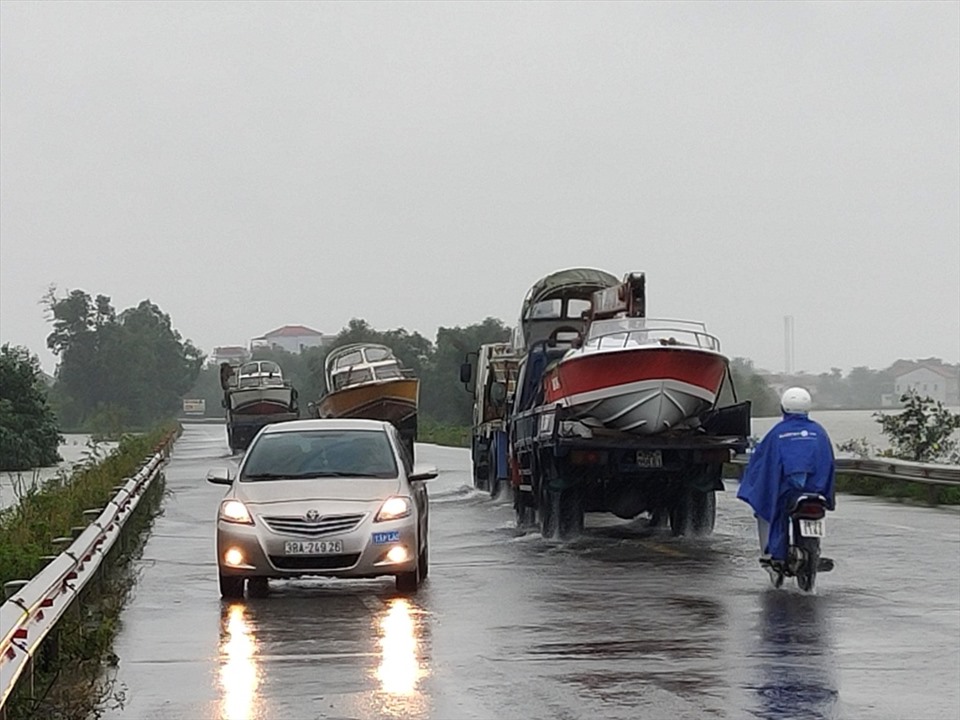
(795, 400)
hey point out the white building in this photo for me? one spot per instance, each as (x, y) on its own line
(939, 382)
(292, 338)
(233, 354)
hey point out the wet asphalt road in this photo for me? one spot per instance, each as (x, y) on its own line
(623, 622)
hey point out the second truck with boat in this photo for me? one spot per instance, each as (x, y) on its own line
(255, 394)
(366, 380)
(615, 411)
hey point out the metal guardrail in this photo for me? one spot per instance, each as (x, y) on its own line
(889, 468)
(30, 614)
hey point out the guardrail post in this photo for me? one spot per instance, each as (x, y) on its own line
(11, 586)
(61, 543)
(92, 514)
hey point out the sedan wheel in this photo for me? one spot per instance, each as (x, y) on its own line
(231, 587)
(258, 587)
(408, 582)
(424, 564)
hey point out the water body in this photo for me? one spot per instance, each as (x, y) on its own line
(74, 450)
(843, 425)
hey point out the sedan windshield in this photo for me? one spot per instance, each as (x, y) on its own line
(320, 453)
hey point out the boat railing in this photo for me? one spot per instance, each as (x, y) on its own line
(627, 332)
(253, 381)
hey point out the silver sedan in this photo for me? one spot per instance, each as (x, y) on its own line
(336, 498)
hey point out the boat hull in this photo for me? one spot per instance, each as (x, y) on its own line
(392, 400)
(262, 400)
(644, 390)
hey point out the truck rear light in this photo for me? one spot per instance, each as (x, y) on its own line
(715, 455)
(587, 457)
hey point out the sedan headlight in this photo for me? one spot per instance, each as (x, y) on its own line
(236, 512)
(394, 508)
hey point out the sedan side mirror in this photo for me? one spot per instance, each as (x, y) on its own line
(220, 476)
(425, 473)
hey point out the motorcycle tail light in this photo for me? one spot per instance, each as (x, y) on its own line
(810, 511)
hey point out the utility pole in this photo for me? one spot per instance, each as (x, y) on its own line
(788, 344)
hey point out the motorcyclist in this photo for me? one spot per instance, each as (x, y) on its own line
(796, 456)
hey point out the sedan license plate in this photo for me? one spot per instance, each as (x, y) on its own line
(813, 528)
(649, 458)
(313, 547)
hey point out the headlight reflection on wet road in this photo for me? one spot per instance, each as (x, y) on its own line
(400, 672)
(239, 673)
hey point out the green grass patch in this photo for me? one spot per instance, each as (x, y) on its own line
(429, 431)
(52, 509)
(75, 670)
(898, 489)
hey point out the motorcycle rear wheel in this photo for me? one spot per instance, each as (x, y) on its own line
(807, 572)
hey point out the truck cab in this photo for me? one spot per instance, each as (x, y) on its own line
(490, 375)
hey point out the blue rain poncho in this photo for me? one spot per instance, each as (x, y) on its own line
(795, 456)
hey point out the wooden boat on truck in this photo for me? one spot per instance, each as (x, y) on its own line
(366, 380)
(255, 394)
(616, 412)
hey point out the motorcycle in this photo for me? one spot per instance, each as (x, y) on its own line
(808, 524)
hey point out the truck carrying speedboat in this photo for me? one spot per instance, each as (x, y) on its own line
(255, 394)
(366, 380)
(617, 412)
(627, 372)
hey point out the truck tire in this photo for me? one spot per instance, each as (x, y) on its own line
(493, 482)
(481, 472)
(523, 509)
(548, 512)
(679, 512)
(703, 512)
(561, 514)
(570, 517)
(693, 512)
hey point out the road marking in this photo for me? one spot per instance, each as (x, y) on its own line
(666, 550)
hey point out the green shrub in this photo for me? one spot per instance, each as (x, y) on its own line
(430, 431)
(51, 510)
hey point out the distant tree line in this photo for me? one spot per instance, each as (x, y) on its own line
(116, 371)
(28, 427)
(861, 388)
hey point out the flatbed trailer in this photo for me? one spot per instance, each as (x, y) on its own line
(562, 468)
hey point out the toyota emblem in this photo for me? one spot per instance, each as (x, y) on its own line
(313, 515)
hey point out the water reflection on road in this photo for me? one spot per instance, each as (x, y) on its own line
(400, 670)
(239, 670)
(794, 658)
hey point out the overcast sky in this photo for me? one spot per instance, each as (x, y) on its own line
(252, 165)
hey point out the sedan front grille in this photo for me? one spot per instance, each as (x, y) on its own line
(314, 562)
(302, 527)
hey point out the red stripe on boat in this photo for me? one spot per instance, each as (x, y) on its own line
(597, 371)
